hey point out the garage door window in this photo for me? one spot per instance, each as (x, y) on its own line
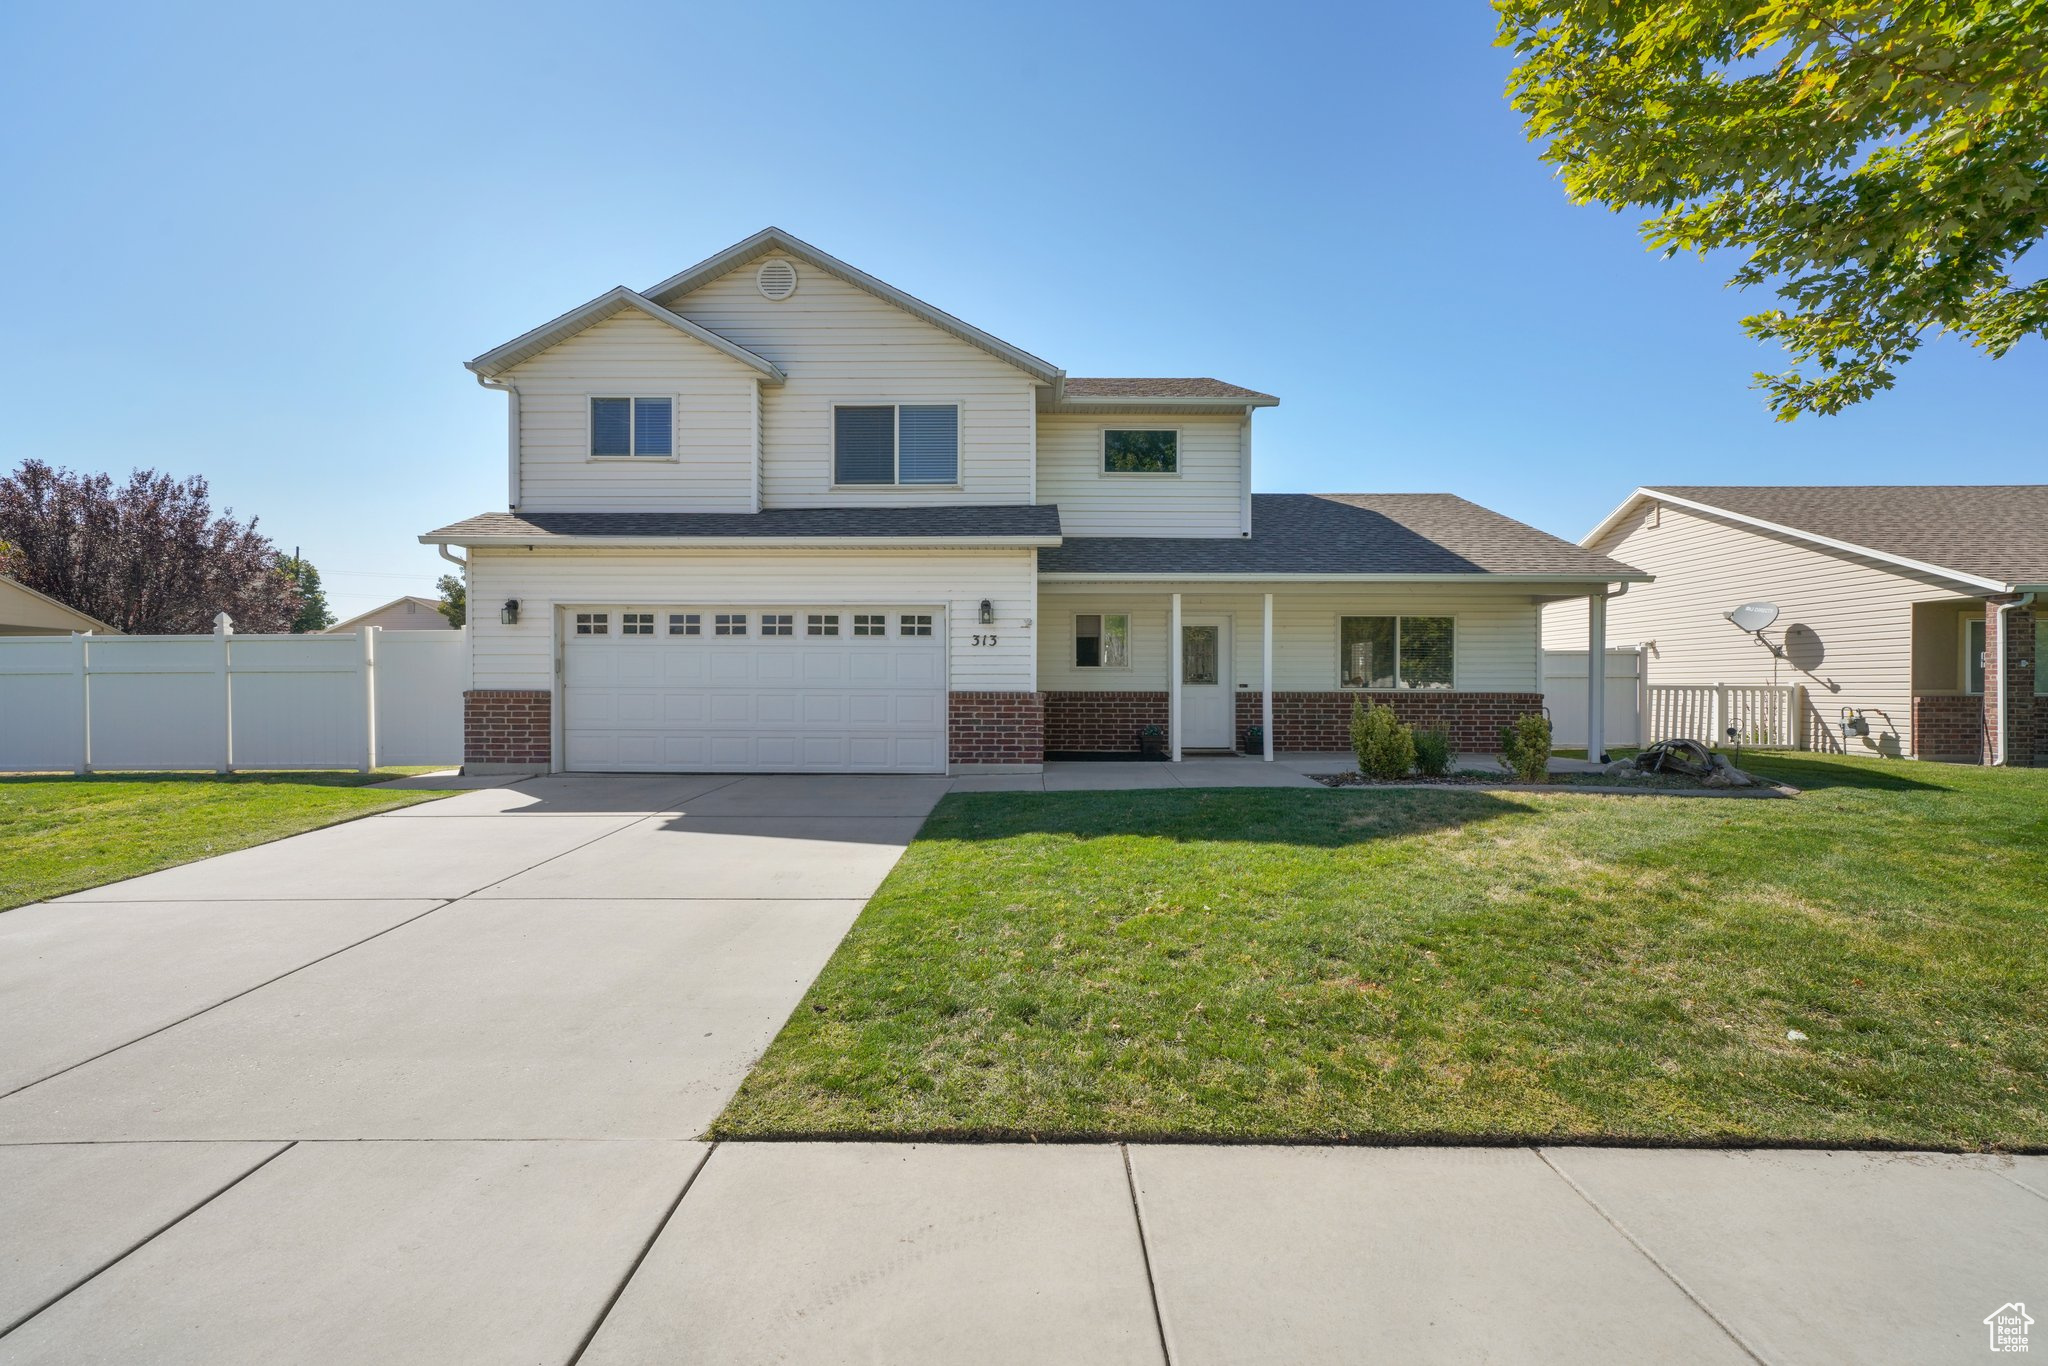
(636, 623)
(593, 623)
(685, 624)
(823, 624)
(729, 624)
(866, 624)
(914, 625)
(778, 624)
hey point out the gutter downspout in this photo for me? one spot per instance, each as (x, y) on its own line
(468, 654)
(2004, 683)
(511, 391)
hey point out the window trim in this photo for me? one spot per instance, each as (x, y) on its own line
(1103, 471)
(1337, 652)
(675, 444)
(1074, 643)
(896, 406)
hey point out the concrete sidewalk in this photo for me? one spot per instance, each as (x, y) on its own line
(429, 1087)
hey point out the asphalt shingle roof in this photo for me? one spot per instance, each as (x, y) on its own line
(1346, 533)
(1157, 388)
(1992, 531)
(949, 521)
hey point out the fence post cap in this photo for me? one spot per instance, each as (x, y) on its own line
(223, 624)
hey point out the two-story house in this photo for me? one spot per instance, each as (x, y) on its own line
(773, 514)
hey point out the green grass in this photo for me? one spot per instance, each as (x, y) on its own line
(62, 834)
(1447, 964)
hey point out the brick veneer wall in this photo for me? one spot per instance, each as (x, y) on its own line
(1321, 721)
(996, 727)
(506, 726)
(2041, 730)
(1948, 727)
(1101, 722)
(2009, 665)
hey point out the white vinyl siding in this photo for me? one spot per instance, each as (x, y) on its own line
(888, 582)
(1496, 631)
(842, 345)
(1855, 614)
(712, 469)
(1204, 497)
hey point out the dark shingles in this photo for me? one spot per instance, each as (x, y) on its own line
(1993, 531)
(1345, 533)
(1157, 388)
(880, 523)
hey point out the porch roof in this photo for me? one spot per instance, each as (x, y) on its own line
(1006, 524)
(1346, 535)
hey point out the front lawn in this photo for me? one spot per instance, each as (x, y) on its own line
(1272, 963)
(62, 834)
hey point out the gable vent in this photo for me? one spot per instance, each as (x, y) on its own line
(776, 278)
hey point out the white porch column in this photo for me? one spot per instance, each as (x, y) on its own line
(1173, 678)
(1596, 675)
(1266, 672)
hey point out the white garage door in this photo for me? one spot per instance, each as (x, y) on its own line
(753, 690)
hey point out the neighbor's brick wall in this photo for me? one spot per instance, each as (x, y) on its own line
(1321, 721)
(996, 727)
(506, 726)
(2009, 664)
(2040, 729)
(1948, 727)
(1101, 722)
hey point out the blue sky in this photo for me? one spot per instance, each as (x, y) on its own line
(257, 242)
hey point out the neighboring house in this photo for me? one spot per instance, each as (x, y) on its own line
(25, 612)
(774, 514)
(400, 614)
(1913, 606)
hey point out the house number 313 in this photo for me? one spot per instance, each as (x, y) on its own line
(985, 639)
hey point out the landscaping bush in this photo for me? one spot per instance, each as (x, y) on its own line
(1385, 748)
(1433, 752)
(1525, 748)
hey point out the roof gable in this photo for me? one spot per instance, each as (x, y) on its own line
(609, 305)
(775, 240)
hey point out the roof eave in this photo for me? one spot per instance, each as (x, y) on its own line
(775, 239)
(1475, 576)
(736, 542)
(1072, 403)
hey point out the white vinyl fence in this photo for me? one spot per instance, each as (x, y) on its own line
(227, 701)
(1765, 717)
(1564, 696)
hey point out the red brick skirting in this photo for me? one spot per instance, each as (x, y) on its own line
(1321, 721)
(506, 726)
(1101, 722)
(1948, 727)
(996, 727)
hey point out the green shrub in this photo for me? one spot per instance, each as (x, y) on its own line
(1385, 748)
(1525, 748)
(1433, 752)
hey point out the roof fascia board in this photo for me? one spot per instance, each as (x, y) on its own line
(1286, 576)
(1084, 403)
(1850, 547)
(740, 542)
(492, 362)
(775, 239)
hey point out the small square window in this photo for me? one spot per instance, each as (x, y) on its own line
(636, 623)
(870, 624)
(908, 625)
(822, 624)
(729, 624)
(685, 624)
(778, 624)
(1102, 642)
(593, 623)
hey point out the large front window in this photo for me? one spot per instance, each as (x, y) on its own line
(1397, 652)
(896, 443)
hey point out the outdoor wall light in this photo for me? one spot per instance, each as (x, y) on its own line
(988, 613)
(509, 613)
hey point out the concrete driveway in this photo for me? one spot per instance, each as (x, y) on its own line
(428, 1087)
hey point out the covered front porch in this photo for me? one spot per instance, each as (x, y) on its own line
(1185, 669)
(1976, 680)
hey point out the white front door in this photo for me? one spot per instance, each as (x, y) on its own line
(1207, 702)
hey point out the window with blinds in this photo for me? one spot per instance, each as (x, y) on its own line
(633, 426)
(896, 443)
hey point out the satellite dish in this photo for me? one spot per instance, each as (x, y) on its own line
(1754, 616)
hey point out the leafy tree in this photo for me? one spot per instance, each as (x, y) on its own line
(149, 556)
(454, 599)
(1884, 166)
(313, 614)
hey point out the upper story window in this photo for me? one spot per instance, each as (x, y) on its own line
(633, 426)
(896, 443)
(1132, 451)
(1397, 652)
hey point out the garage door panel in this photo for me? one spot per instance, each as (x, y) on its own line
(755, 704)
